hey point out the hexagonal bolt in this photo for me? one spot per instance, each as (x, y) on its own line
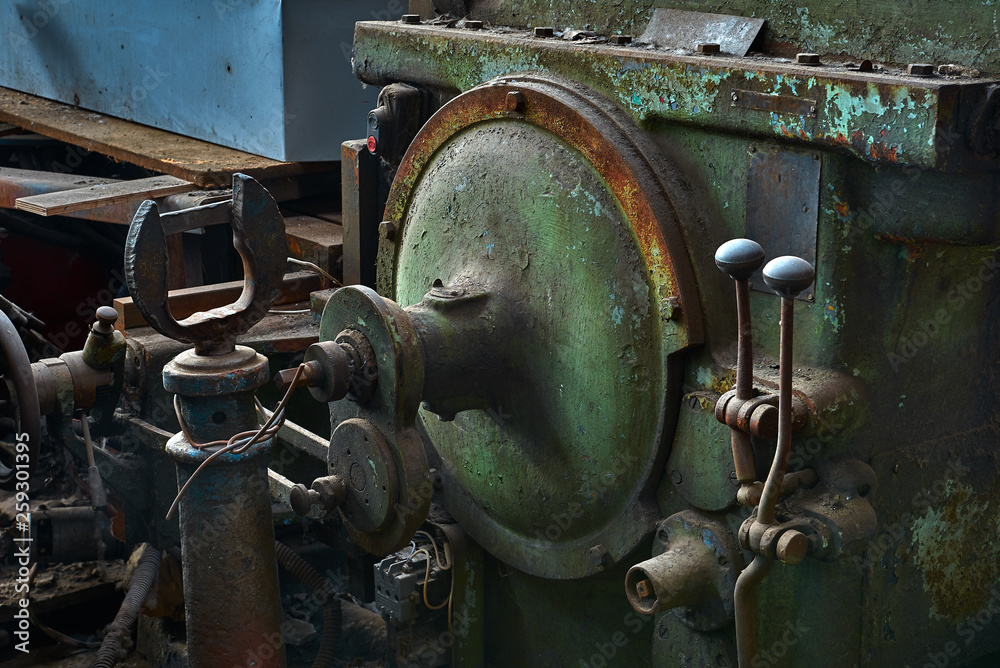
(644, 588)
(792, 547)
(599, 556)
(810, 59)
(387, 230)
(411, 19)
(920, 70)
(709, 47)
(544, 31)
(514, 101)
(474, 25)
(620, 39)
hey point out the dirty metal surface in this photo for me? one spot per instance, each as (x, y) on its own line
(779, 104)
(893, 31)
(584, 249)
(783, 207)
(383, 519)
(685, 30)
(878, 117)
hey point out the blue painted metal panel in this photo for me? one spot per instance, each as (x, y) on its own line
(264, 76)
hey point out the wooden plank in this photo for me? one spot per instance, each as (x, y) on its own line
(193, 160)
(188, 301)
(93, 197)
(9, 129)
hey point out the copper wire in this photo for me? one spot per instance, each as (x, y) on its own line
(238, 443)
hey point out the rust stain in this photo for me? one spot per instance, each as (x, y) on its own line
(955, 546)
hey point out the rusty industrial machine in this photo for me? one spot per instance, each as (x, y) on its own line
(662, 338)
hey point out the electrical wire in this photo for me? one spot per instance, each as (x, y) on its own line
(319, 270)
(447, 565)
(238, 443)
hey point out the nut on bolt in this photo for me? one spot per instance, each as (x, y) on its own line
(708, 48)
(544, 31)
(387, 230)
(473, 25)
(807, 59)
(620, 39)
(920, 70)
(411, 19)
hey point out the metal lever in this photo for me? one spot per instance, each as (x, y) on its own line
(787, 276)
(740, 258)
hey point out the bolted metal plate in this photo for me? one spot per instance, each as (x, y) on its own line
(362, 455)
(555, 208)
(678, 29)
(783, 207)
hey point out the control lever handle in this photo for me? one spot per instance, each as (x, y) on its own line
(740, 258)
(787, 276)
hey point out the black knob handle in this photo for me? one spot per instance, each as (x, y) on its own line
(302, 498)
(788, 275)
(739, 258)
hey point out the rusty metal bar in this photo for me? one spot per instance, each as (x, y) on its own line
(772, 486)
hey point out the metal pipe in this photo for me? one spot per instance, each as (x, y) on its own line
(743, 603)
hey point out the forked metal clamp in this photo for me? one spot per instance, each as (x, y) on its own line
(259, 238)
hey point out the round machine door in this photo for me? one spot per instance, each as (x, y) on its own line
(545, 198)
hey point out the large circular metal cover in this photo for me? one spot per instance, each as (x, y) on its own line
(538, 191)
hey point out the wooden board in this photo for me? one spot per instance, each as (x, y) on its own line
(190, 159)
(92, 197)
(187, 301)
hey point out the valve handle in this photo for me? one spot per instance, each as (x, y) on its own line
(788, 275)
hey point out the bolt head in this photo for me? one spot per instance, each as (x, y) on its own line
(620, 39)
(920, 70)
(807, 58)
(474, 25)
(599, 556)
(544, 31)
(387, 230)
(676, 476)
(411, 19)
(514, 101)
(788, 275)
(739, 258)
(708, 48)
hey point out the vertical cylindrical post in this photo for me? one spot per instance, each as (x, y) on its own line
(231, 598)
